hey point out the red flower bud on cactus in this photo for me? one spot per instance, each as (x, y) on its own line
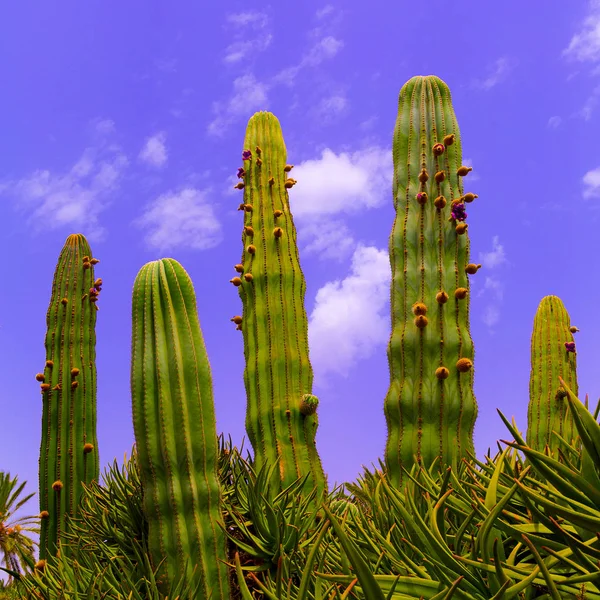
(246, 155)
(570, 346)
(438, 149)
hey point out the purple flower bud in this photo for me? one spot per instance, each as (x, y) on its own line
(241, 172)
(246, 155)
(458, 211)
(570, 346)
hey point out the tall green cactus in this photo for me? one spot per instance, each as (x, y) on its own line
(552, 356)
(430, 407)
(281, 418)
(175, 431)
(69, 447)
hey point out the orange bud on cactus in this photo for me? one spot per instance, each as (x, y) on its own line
(248, 207)
(242, 206)
(86, 259)
(74, 372)
(87, 448)
(422, 197)
(278, 232)
(289, 183)
(40, 377)
(237, 319)
(40, 565)
(248, 230)
(258, 161)
(44, 514)
(419, 308)
(441, 297)
(573, 329)
(461, 293)
(49, 364)
(239, 186)
(236, 281)
(463, 365)
(86, 265)
(469, 197)
(462, 171)
(271, 180)
(288, 168)
(440, 202)
(449, 140)
(472, 268)
(251, 249)
(461, 228)
(440, 176)
(421, 321)
(94, 261)
(248, 276)
(258, 150)
(74, 384)
(278, 213)
(442, 373)
(438, 149)
(44, 387)
(239, 268)
(57, 486)
(64, 301)
(423, 176)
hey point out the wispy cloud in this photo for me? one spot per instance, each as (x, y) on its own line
(591, 183)
(492, 288)
(554, 122)
(154, 152)
(498, 73)
(590, 104)
(351, 316)
(76, 196)
(251, 35)
(181, 219)
(249, 95)
(332, 107)
(585, 44)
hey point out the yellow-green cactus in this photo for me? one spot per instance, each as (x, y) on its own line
(430, 407)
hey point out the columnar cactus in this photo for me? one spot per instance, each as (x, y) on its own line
(552, 356)
(69, 447)
(175, 431)
(281, 418)
(430, 407)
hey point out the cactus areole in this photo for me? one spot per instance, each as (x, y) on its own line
(430, 408)
(68, 452)
(280, 424)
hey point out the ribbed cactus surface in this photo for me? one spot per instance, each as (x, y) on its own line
(69, 447)
(281, 418)
(430, 408)
(175, 431)
(552, 356)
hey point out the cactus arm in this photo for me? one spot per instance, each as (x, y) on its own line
(69, 447)
(278, 372)
(175, 430)
(427, 416)
(550, 360)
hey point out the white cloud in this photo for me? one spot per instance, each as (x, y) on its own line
(322, 12)
(330, 108)
(491, 315)
(76, 197)
(350, 320)
(181, 219)
(498, 73)
(590, 104)
(585, 45)
(154, 151)
(554, 122)
(342, 182)
(591, 183)
(329, 239)
(249, 95)
(244, 47)
(491, 260)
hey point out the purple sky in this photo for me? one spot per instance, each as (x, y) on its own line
(126, 123)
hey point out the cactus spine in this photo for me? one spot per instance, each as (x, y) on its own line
(281, 418)
(552, 356)
(69, 447)
(175, 431)
(430, 407)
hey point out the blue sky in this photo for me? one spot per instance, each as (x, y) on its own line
(125, 122)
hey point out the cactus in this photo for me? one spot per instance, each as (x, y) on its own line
(69, 447)
(430, 407)
(175, 431)
(552, 356)
(281, 419)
